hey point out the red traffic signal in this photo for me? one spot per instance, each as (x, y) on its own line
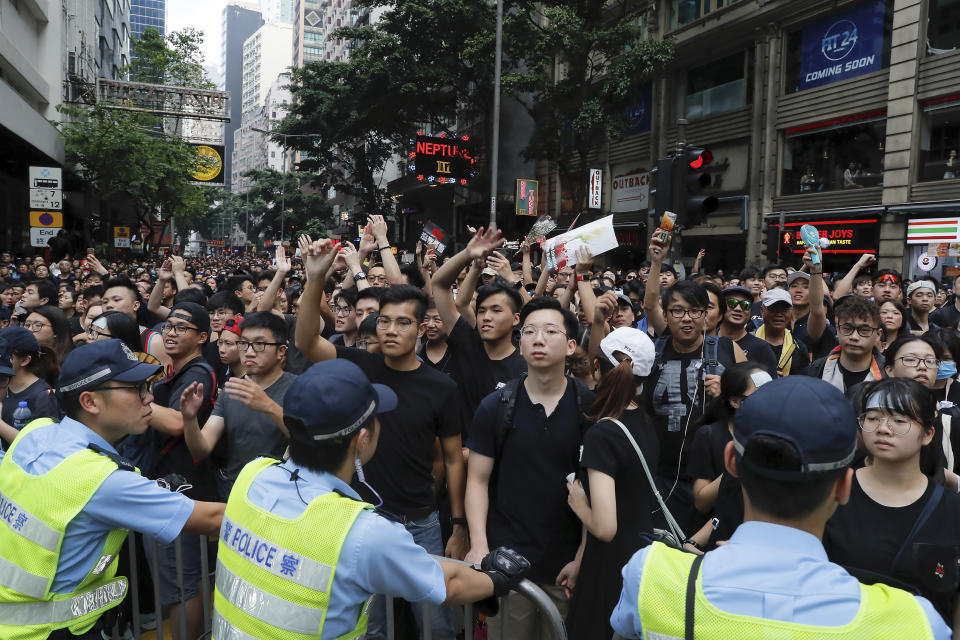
(699, 158)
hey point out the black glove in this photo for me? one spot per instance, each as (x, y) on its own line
(505, 567)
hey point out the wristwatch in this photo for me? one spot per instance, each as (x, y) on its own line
(518, 284)
(581, 278)
(460, 521)
(360, 275)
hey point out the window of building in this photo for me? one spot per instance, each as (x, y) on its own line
(835, 155)
(830, 49)
(686, 11)
(943, 26)
(313, 51)
(940, 141)
(722, 85)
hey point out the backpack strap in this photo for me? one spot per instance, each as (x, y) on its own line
(659, 346)
(584, 400)
(506, 407)
(711, 362)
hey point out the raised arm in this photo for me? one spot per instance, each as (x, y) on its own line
(352, 259)
(164, 274)
(651, 297)
(527, 262)
(605, 308)
(378, 227)
(317, 260)
(482, 243)
(817, 322)
(845, 285)
(698, 263)
(179, 267)
(269, 299)
(588, 299)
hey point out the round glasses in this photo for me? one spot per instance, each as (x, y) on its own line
(896, 424)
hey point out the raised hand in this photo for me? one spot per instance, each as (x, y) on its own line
(350, 256)
(584, 261)
(378, 227)
(318, 258)
(165, 272)
(501, 265)
(191, 400)
(284, 265)
(606, 306)
(483, 242)
(178, 263)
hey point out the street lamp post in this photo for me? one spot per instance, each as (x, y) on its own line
(495, 140)
(283, 169)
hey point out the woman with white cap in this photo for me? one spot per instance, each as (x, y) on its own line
(615, 501)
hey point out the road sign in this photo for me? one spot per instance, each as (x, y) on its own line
(46, 199)
(50, 219)
(46, 178)
(39, 236)
(121, 243)
(121, 232)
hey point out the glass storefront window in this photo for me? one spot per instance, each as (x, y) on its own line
(842, 156)
(686, 11)
(940, 142)
(943, 26)
(719, 86)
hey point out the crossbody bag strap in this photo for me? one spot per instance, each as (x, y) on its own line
(671, 522)
(691, 598)
(928, 509)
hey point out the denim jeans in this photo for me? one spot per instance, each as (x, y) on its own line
(426, 533)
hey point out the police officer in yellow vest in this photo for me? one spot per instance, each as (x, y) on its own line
(793, 442)
(300, 555)
(67, 500)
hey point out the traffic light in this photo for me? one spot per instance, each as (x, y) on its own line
(692, 205)
(661, 193)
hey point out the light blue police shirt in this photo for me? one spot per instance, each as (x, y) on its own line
(767, 571)
(125, 500)
(378, 556)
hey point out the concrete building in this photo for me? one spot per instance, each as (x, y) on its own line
(240, 20)
(844, 115)
(308, 31)
(256, 150)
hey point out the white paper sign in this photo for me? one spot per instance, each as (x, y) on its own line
(39, 236)
(46, 178)
(597, 236)
(121, 243)
(46, 199)
(596, 189)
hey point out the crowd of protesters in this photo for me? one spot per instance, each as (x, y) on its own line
(520, 392)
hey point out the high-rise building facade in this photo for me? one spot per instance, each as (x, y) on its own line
(240, 19)
(148, 14)
(266, 60)
(277, 11)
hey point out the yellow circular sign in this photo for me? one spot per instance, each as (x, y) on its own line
(212, 168)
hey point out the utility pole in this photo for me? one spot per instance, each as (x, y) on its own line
(495, 140)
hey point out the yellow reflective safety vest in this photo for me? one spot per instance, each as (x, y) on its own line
(34, 514)
(274, 574)
(885, 613)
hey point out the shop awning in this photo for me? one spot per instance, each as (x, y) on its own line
(945, 206)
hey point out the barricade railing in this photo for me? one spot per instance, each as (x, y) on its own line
(550, 615)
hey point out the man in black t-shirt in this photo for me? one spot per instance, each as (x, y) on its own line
(522, 502)
(949, 314)
(483, 358)
(853, 362)
(737, 303)
(430, 408)
(184, 334)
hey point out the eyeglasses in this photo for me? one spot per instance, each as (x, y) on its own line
(864, 330)
(36, 326)
(178, 329)
(142, 389)
(258, 346)
(777, 278)
(363, 344)
(549, 331)
(914, 361)
(679, 312)
(402, 324)
(733, 303)
(95, 333)
(342, 311)
(897, 424)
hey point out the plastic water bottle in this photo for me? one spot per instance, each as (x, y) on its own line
(21, 416)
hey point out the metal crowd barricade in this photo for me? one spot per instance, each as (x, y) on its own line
(526, 589)
(134, 589)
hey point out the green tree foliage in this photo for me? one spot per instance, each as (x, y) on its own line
(126, 158)
(574, 64)
(425, 64)
(272, 192)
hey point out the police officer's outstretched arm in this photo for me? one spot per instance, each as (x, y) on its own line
(499, 572)
(205, 518)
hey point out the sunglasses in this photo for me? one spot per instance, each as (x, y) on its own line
(733, 303)
(888, 277)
